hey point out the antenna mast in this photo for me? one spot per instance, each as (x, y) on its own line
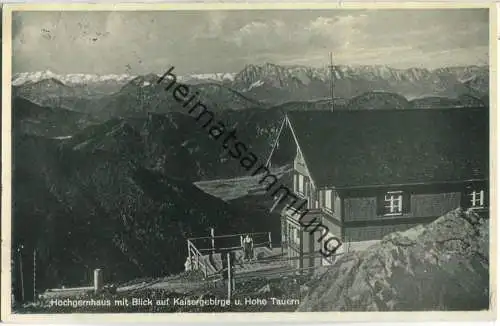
(332, 94)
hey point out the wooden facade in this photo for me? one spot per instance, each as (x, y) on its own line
(356, 217)
(360, 215)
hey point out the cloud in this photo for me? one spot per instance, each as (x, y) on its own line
(216, 21)
(270, 34)
(326, 25)
(336, 32)
(224, 41)
(344, 31)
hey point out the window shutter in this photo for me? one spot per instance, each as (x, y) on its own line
(406, 202)
(380, 203)
(332, 200)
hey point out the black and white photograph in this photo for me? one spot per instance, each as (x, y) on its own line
(248, 160)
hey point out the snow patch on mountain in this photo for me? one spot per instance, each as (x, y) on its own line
(256, 84)
(77, 78)
(211, 76)
(69, 79)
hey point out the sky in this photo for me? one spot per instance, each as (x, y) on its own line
(225, 41)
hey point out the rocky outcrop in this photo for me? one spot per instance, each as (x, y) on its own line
(441, 266)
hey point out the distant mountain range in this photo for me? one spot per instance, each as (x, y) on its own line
(105, 84)
(304, 83)
(75, 79)
(256, 85)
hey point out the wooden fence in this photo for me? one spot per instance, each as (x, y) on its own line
(199, 257)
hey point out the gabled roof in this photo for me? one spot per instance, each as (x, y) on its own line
(388, 147)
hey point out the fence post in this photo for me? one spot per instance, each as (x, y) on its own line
(97, 280)
(22, 275)
(229, 279)
(197, 262)
(189, 254)
(270, 242)
(34, 275)
(212, 235)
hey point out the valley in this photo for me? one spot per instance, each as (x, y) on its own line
(112, 172)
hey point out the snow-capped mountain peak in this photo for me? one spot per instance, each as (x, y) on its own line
(80, 78)
(217, 76)
(70, 79)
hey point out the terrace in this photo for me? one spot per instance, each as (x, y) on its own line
(205, 254)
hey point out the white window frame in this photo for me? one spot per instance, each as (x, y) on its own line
(327, 204)
(301, 184)
(393, 203)
(295, 182)
(328, 200)
(477, 199)
(297, 236)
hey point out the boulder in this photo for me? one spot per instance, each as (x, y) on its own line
(440, 266)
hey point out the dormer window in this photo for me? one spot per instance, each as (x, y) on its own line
(477, 198)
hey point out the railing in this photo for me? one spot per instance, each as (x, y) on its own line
(200, 259)
(196, 259)
(277, 271)
(265, 240)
